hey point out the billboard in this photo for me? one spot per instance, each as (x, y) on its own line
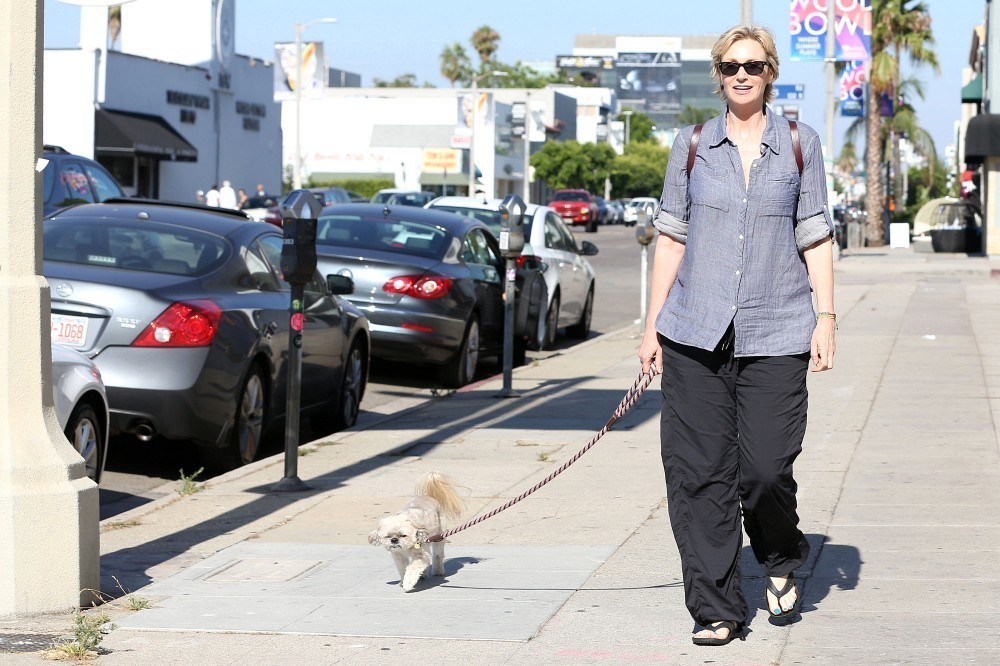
(595, 71)
(852, 89)
(649, 73)
(285, 66)
(808, 23)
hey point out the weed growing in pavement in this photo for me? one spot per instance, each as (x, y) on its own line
(88, 633)
(120, 525)
(132, 602)
(304, 452)
(188, 485)
(327, 442)
(543, 457)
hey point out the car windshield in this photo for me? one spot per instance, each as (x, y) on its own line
(382, 197)
(570, 196)
(490, 218)
(409, 198)
(383, 234)
(259, 202)
(141, 246)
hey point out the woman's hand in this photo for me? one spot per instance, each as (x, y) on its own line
(651, 354)
(824, 344)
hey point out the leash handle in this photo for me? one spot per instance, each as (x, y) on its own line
(631, 397)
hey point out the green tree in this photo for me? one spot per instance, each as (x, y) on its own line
(640, 127)
(898, 27)
(455, 64)
(520, 75)
(570, 164)
(693, 115)
(485, 40)
(639, 171)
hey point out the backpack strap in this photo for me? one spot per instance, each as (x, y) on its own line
(693, 148)
(796, 147)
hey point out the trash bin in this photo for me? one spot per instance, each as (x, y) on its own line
(948, 239)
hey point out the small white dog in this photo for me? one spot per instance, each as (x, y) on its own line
(404, 534)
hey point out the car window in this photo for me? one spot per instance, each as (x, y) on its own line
(557, 236)
(271, 244)
(73, 186)
(382, 197)
(260, 271)
(570, 196)
(477, 250)
(142, 246)
(490, 218)
(384, 234)
(105, 186)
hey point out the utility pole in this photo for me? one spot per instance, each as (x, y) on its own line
(746, 12)
(831, 86)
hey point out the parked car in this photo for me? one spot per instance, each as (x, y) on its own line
(430, 282)
(648, 203)
(81, 406)
(577, 207)
(331, 195)
(402, 197)
(617, 211)
(185, 312)
(263, 209)
(70, 179)
(568, 274)
(605, 215)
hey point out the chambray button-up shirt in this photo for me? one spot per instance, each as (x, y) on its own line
(743, 261)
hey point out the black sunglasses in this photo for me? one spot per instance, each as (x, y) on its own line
(751, 67)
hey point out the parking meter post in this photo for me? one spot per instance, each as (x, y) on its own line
(512, 210)
(299, 214)
(644, 233)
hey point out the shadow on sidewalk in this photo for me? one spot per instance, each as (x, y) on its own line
(553, 405)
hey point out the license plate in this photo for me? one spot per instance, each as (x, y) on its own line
(69, 330)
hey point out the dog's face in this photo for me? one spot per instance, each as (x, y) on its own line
(397, 532)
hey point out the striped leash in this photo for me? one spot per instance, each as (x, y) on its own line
(631, 397)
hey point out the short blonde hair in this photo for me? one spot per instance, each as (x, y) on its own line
(757, 33)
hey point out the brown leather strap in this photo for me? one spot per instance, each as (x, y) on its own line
(796, 148)
(693, 148)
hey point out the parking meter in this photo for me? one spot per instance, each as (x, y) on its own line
(512, 226)
(299, 213)
(644, 233)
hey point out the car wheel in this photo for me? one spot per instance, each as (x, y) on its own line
(352, 389)
(580, 329)
(592, 226)
(551, 324)
(83, 430)
(461, 369)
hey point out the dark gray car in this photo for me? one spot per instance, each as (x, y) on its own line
(184, 311)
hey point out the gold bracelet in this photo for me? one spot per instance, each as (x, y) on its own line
(828, 315)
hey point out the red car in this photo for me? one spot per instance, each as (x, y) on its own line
(576, 207)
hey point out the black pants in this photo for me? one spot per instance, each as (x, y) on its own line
(730, 430)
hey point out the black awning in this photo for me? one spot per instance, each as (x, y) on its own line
(121, 132)
(982, 137)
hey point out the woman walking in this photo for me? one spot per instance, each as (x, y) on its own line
(744, 248)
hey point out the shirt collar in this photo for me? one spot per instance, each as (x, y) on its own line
(771, 137)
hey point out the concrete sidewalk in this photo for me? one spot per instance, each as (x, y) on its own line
(898, 491)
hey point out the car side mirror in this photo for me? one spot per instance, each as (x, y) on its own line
(341, 285)
(588, 249)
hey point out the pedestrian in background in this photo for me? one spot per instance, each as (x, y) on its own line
(200, 196)
(241, 198)
(227, 196)
(744, 230)
(212, 196)
(261, 192)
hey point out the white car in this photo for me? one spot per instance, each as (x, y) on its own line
(568, 275)
(81, 406)
(633, 206)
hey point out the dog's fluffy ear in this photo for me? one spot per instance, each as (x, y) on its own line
(373, 538)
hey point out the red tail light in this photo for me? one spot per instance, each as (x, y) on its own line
(187, 324)
(419, 286)
(528, 261)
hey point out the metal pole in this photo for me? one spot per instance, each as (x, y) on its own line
(831, 84)
(644, 267)
(508, 331)
(291, 481)
(527, 148)
(297, 173)
(746, 12)
(472, 139)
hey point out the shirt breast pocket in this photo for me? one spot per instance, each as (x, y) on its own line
(781, 195)
(709, 189)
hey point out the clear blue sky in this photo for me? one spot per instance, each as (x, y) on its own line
(384, 39)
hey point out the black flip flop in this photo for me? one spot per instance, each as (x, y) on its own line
(735, 631)
(778, 594)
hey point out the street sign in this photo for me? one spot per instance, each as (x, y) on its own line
(790, 91)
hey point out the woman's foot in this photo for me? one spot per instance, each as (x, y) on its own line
(781, 595)
(718, 633)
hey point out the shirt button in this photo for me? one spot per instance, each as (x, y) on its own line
(741, 236)
(737, 271)
(744, 200)
(734, 307)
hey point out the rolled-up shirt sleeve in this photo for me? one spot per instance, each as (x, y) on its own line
(812, 220)
(671, 216)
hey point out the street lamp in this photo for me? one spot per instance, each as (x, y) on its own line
(472, 138)
(628, 122)
(299, 27)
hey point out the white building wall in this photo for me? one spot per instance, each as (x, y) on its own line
(177, 31)
(69, 94)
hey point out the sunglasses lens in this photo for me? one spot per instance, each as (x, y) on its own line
(753, 67)
(729, 68)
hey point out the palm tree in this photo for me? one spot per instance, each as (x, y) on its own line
(455, 65)
(485, 41)
(897, 26)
